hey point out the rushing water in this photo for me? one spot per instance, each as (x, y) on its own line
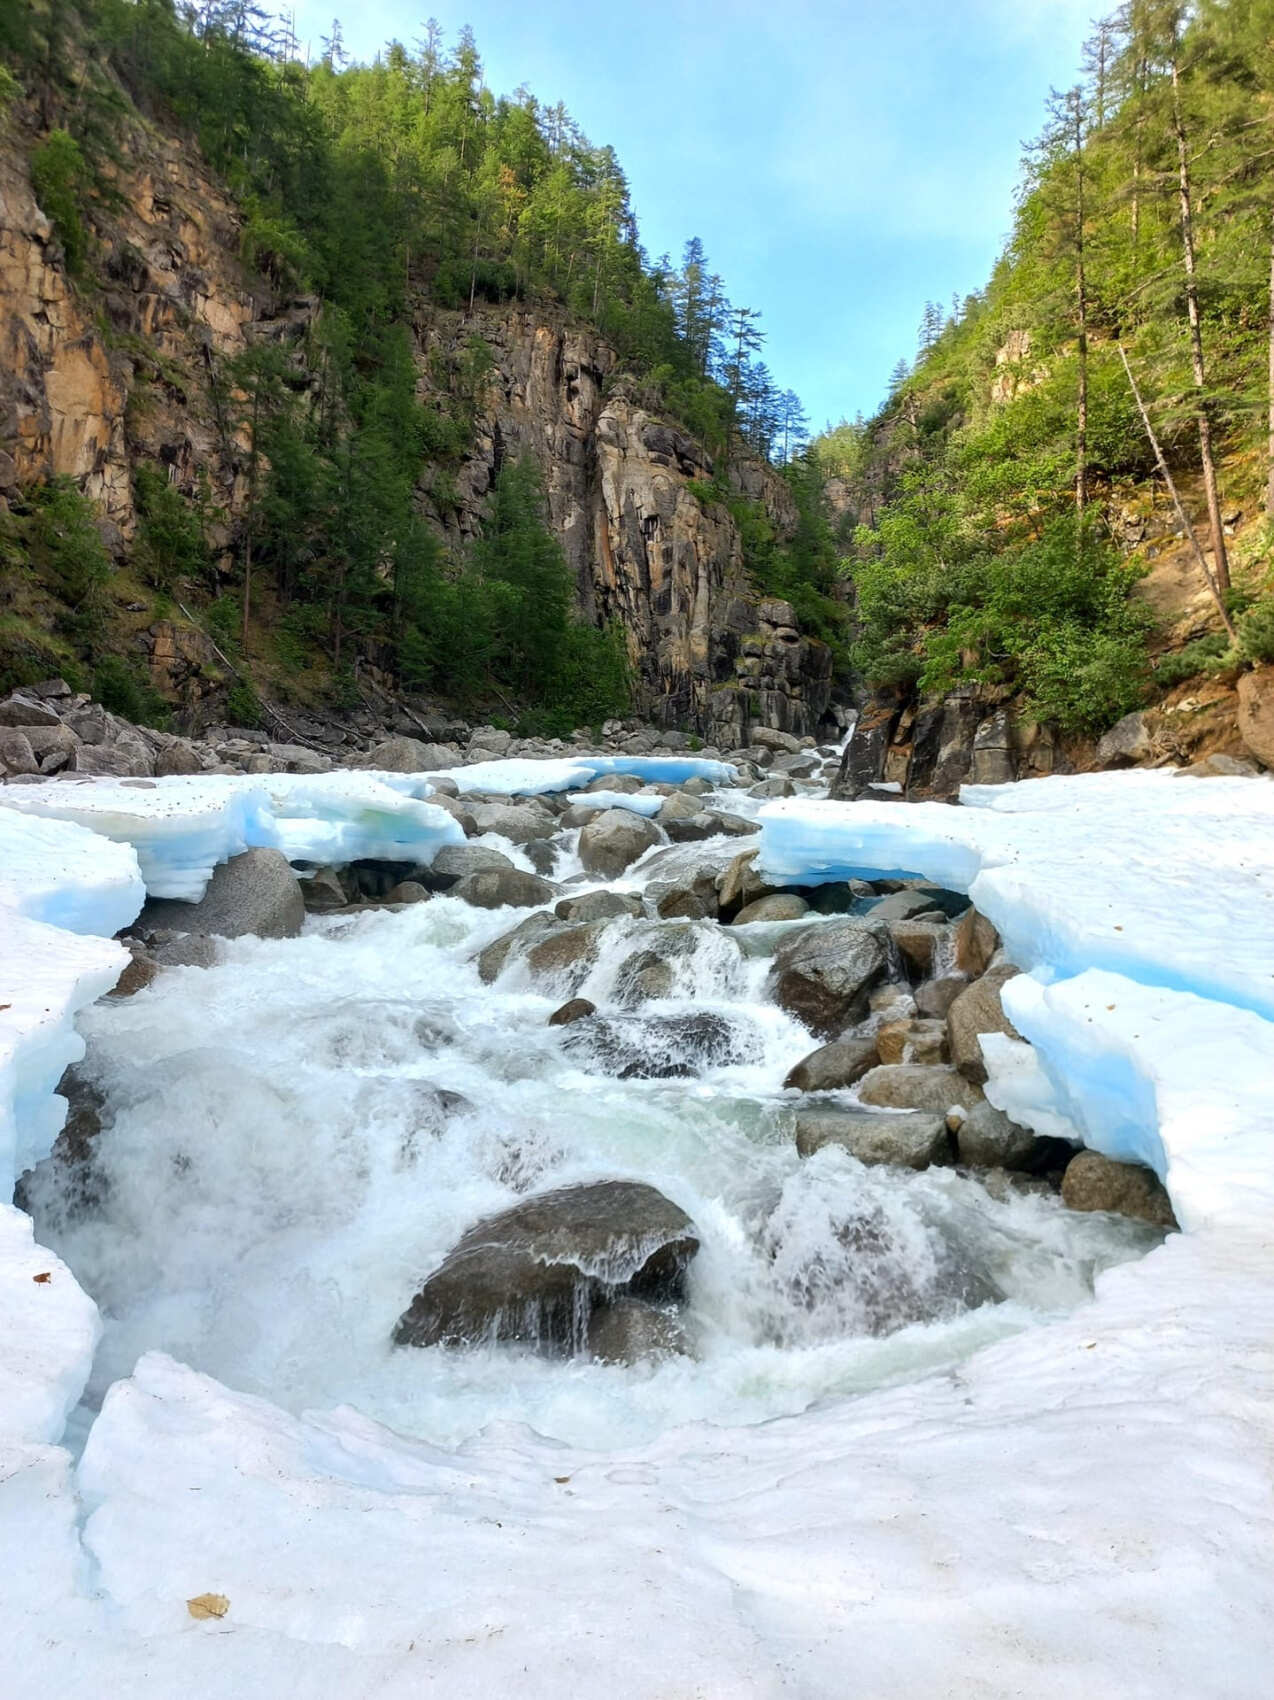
(283, 1161)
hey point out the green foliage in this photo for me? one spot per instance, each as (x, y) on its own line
(126, 691)
(243, 705)
(1201, 656)
(59, 176)
(171, 546)
(1256, 631)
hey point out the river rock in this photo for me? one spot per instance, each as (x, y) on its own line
(493, 957)
(613, 840)
(919, 944)
(20, 710)
(629, 1331)
(256, 892)
(912, 1040)
(833, 1067)
(407, 891)
(564, 954)
(778, 906)
(574, 1009)
(178, 756)
(454, 862)
(661, 1047)
(987, 1139)
(597, 906)
(905, 1141)
(935, 997)
(1094, 1182)
(536, 1273)
(518, 822)
(503, 888)
(404, 755)
(823, 976)
(976, 942)
(977, 1010)
(917, 1086)
(741, 884)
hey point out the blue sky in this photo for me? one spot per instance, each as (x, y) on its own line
(843, 163)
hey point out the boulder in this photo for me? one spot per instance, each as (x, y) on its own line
(455, 862)
(823, 976)
(575, 1009)
(661, 1047)
(1128, 742)
(536, 1273)
(642, 976)
(408, 891)
(20, 710)
(404, 755)
(613, 840)
(768, 738)
(907, 1142)
(1094, 1182)
(493, 957)
(1256, 713)
(987, 1139)
(16, 754)
(256, 893)
(178, 756)
(778, 906)
(518, 822)
(741, 884)
(936, 997)
(597, 906)
(141, 970)
(629, 1331)
(322, 891)
(901, 906)
(695, 899)
(918, 944)
(976, 942)
(677, 808)
(977, 1010)
(503, 888)
(184, 950)
(833, 1067)
(917, 1086)
(564, 954)
(912, 1040)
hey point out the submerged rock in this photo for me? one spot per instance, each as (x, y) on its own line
(597, 906)
(575, 1009)
(536, 1273)
(629, 1331)
(661, 1047)
(256, 893)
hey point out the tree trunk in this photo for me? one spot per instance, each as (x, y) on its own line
(1199, 556)
(1219, 552)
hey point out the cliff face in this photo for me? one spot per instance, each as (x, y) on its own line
(95, 382)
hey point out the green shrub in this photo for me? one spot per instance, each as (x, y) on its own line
(1256, 631)
(1191, 660)
(170, 538)
(126, 691)
(59, 175)
(243, 705)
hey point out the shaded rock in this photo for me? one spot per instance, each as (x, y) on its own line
(662, 1047)
(1129, 741)
(542, 854)
(20, 710)
(256, 892)
(536, 1273)
(987, 1139)
(900, 906)
(740, 883)
(936, 997)
(779, 785)
(455, 862)
(917, 1086)
(912, 1040)
(575, 1009)
(141, 970)
(1094, 1182)
(833, 1066)
(177, 757)
(322, 891)
(613, 841)
(597, 906)
(693, 900)
(407, 891)
(184, 950)
(919, 944)
(907, 1142)
(1256, 713)
(977, 1010)
(503, 888)
(629, 1331)
(642, 976)
(823, 976)
(778, 906)
(564, 954)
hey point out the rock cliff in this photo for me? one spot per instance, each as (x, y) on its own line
(95, 381)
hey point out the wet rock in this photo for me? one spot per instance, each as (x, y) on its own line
(693, 900)
(455, 862)
(642, 976)
(493, 957)
(919, 944)
(833, 1067)
(1094, 1182)
(779, 785)
(575, 1009)
(629, 1331)
(662, 1047)
(613, 841)
(741, 884)
(917, 1086)
(901, 906)
(987, 1139)
(597, 906)
(564, 954)
(542, 854)
(912, 1040)
(141, 970)
(535, 1273)
(778, 906)
(977, 1010)
(823, 976)
(256, 893)
(905, 1141)
(407, 891)
(503, 888)
(183, 950)
(322, 892)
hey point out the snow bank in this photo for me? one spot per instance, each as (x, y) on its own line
(182, 827)
(523, 777)
(635, 803)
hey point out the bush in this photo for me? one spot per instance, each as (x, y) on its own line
(1256, 631)
(170, 539)
(127, 692)
(58, 175)
(1195, 658)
